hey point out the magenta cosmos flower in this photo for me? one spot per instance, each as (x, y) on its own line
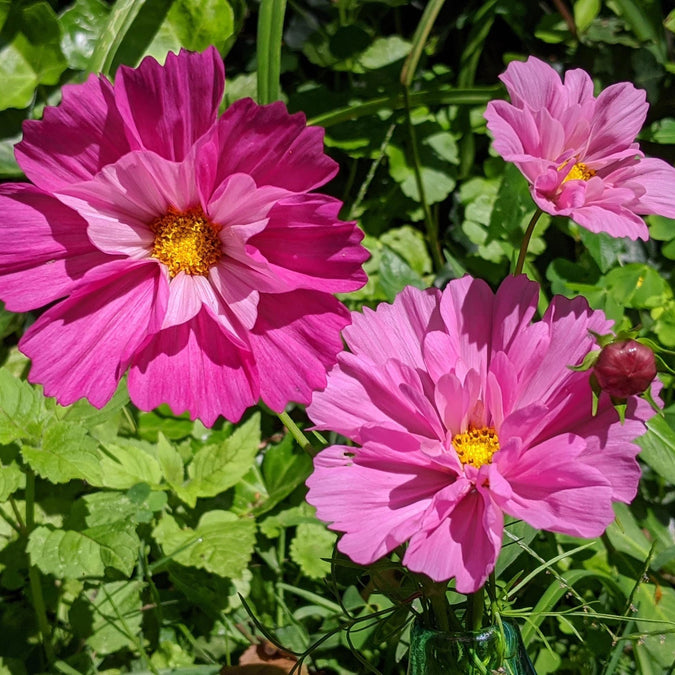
(463, 410)
(185, 248)
(578, 152)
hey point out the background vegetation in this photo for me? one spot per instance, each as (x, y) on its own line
(128, 539)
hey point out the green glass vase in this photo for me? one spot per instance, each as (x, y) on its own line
(485, 651)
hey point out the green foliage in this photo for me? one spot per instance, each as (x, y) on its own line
(128, 540)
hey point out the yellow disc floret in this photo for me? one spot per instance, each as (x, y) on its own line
(476, 446)
(578, 172)
(186, 242)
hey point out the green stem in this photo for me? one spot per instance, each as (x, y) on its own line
(526, 241)
(34, 574)
(296, 432)
(474, 610)
(430, 223)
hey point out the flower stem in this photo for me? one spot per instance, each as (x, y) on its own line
(296, 432)
(34, 574)
(526, 241)
(474, 609)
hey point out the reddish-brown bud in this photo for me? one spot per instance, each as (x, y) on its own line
(625, 368)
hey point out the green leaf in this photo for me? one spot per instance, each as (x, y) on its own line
(657, 604)
(311, 543)
(638, 286)
(658, 448)
(626, 534)
(272, 525)
(268, 45)
(135, 506)
(585, 12)
(109, 616)
(410, 245)
(217, 467)
(66, 453)
(22, 410)
(383, 52)
(81, 27)
(70, 554)
(12, 478)
(170, 461)
(221, 543)
(396, 274)
(128, 462)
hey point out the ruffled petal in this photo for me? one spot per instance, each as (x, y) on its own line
(194, 367)
(378, 497)
(267, 143)
(45, 250)
(74, 140)
(82, 346)
(295, 340)
(550, 489)
(309, 247)
(167, 108)
(464, 544)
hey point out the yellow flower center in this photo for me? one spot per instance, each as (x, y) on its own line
(186, 242)
(578, 172)
(476, 446)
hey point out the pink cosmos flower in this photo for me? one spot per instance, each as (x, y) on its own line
(578, 152)
(186, 249)
(464, 409)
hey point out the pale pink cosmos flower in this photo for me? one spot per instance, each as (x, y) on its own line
(187, 249)
(462, 410)
(578, 152)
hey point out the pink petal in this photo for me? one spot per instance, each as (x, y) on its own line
(395, 331)
(167, 108)
(194, 367)
(614, 220)
(308, 247)
(464, 545)
(267, 143)
(551, 490)
(45, 250)
(654, 179)
(74, 140)
(515, 305)
(120, 202)
(82, 346)
(534, 84)
(619, 115)
(377, 497)
(295, 340)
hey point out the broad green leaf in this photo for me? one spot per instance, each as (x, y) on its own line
(658, 604)
(638, 285)
(109, 616)
(81, 27)
(170, 462)
(72, 554)
(135, 506)
(658, 448)
(396, 274)
(66, 453)
(11, 479)
(217, 467)
(221, 543)
(272, 525)
(383, 52)
(126, 463)
(87, 415)
(312, 543)
(8, 165)
(409, 243)
(22, 410)
(626, 534)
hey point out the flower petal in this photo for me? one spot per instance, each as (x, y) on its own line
(74, 140)
(45, 250)
(82, 346)
(295, 340)
(194, 367)
(167, 108)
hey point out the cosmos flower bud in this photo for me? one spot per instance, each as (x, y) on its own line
(625, 368)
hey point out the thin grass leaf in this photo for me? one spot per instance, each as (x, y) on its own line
(419, 40)
(268, 49)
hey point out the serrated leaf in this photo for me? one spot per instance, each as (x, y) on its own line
(126, 463)
(109, 616)
(170, 461)
(409, 243)
(221, 543)
(311, 543)
(217, 467)
(66, 453)
(296, 515)
(71, 554)
(106, 508)
(22, 410)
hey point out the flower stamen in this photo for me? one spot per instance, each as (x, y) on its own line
(578, 172)
(186, 242)
(476, 446)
